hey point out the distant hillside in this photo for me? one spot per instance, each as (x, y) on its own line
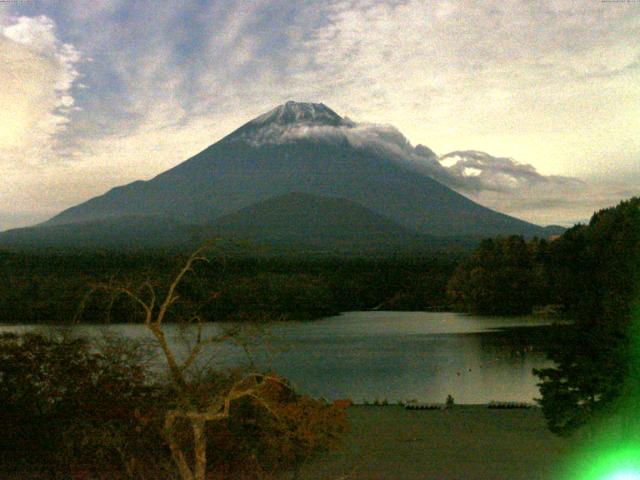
(300, 217)
(553, 231)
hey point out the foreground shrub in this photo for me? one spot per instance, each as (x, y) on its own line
(276, 433)
(67, 407)
(70, 409)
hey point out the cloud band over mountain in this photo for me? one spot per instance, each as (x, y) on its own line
(470, 171)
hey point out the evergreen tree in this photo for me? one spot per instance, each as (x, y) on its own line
(498, 279)
(597, 268)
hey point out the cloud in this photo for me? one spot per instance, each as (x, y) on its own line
(470, 172)
(479, 171)
(519, 189)
(545, 82)
(546, 204)
(36, 96)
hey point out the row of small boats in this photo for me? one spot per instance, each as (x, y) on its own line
(415, 405)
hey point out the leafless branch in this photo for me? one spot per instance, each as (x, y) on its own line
(171, 296)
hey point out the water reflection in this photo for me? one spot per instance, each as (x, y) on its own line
(392, 355)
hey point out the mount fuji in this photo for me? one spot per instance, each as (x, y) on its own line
(299, 172)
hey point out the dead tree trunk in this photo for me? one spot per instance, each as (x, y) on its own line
(196, 413)
(199, 448)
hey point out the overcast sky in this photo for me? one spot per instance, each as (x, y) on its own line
(97, 94)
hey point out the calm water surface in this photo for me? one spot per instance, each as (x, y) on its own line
(392, 355)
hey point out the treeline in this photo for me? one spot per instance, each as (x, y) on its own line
(505, 276)
(589, 271)
(55, 288)
(600, 285)
(593, 273)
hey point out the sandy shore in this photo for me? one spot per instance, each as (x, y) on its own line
(465, 443)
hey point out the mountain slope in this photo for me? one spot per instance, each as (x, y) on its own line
(296, 173)
(299, 217)
(126, 232)
(273, 155)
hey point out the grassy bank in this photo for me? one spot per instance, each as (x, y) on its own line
(465, 443)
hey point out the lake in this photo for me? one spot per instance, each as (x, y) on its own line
(387, 355)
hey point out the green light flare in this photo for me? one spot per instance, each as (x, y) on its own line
(612, 450)
(613, 463)
(624, 475)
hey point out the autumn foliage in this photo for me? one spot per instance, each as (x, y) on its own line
(73, 409)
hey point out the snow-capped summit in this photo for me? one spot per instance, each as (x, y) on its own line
(300, 113)
(287, 122)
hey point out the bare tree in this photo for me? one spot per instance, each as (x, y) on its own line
(192, 406)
